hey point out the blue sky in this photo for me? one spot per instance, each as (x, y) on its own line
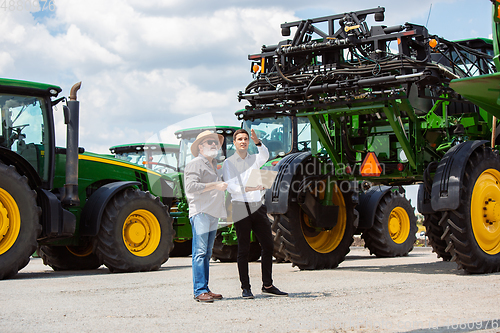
(449, 19)
(147, 65)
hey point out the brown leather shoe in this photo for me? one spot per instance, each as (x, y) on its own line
(215, 296)
(205, 297)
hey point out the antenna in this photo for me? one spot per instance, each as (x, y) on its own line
(428, 16)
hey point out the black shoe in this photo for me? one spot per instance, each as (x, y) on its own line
(273, 291)
(247, 293)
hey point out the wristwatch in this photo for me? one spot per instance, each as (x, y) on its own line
(258, 144)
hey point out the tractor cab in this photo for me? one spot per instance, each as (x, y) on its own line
(465, 57)
(159, 157)
(188, 136)
(26, 125)
(281, 135)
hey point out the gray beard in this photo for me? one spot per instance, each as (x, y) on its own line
(209, 152)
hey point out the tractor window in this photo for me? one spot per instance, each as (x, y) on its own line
(163, 162)
(464, 61)
(185, 155)
(137, 157)
(230, 149)
(150, 156)
(304, 134)
(275, 134)
(22, 129)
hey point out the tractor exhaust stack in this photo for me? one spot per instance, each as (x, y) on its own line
(71, 119)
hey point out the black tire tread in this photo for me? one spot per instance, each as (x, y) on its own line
(61, 259)
(182, 249)
(434, 232)
(110, 248)
(223, 252)
(277, 232)
(17, 257)
(299, 253)
(229, 253)
(458, 233)
(377, 238)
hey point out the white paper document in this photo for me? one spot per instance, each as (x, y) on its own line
(261, 177)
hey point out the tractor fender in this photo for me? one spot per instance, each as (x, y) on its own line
(424, 205)
(90, 221)
(277, 197)
(24, 167)
(445, 194)
(368, 203)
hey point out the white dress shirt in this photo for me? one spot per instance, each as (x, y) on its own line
(236, 172)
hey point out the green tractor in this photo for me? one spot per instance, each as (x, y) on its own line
(164, 159)
(78, 210)
(298, 137)
(386, 107)
(160, 157)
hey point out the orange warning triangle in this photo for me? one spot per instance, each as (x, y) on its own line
(371, 166)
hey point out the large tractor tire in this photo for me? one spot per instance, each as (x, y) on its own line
(229, 253)
(72, 258)
(182, 248)
(223, 252)
(19, 221)
(308, 248)
(394, 227)
(278, 251)
(434, 232)
(472, 231)
(136, 233)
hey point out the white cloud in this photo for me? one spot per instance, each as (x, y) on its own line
(167, 134)
(146, 65)
(5, 61)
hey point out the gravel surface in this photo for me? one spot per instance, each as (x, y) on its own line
(417, 293)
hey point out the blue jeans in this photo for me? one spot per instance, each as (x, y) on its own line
(204, 228)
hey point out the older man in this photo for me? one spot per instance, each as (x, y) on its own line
(205, 194)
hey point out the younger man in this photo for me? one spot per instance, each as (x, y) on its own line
(249, 214)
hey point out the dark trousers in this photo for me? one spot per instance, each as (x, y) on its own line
(248, 217)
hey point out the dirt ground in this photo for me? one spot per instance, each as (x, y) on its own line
(364, 294)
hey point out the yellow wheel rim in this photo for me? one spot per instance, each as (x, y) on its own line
(485, 211)
(141, 232)
(80, 251)
(10, 221)
(399, 225)
(326, 241)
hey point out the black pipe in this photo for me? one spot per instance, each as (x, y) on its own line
(376, 80)
(394, 28)
(322, 88)
(268, 48)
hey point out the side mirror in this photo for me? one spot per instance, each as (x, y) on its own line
(379, 17)
(285, 31)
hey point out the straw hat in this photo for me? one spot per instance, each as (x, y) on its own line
(204, 136)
